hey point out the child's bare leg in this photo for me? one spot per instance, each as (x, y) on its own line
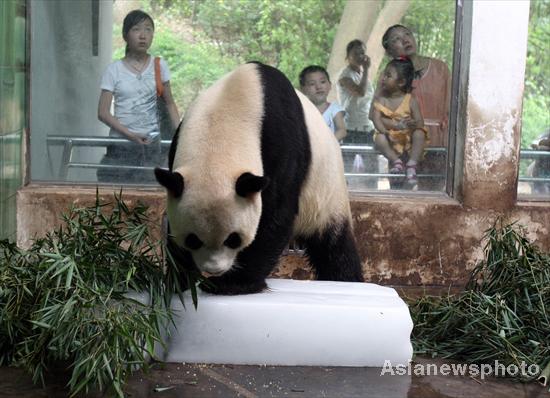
(383, 145)
(418, 140)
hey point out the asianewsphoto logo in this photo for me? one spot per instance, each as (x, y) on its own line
(461, 369)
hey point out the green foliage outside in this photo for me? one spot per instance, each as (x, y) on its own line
(193, 67)
(291, 34)
(433, 23)
(65, 301)
(287, 34)
(536, 100)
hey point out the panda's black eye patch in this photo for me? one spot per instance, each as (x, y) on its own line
(193, 242)
(233, 241)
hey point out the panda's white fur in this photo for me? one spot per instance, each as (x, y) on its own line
(223, 135)
(217, 153)
(324, 198)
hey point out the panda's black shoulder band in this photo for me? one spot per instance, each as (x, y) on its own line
(248, 183)
(172, 181)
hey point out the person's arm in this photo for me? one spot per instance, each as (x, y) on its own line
(171, 105)
(357, 90)
(377, 120)
(417, 121)
(105, 116)
(375, 96)
(340, 125)
(371, 109)
(392, 124)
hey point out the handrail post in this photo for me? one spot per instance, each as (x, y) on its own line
(66, 159)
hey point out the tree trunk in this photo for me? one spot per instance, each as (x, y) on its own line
(357, 22)
(362, 20)
(390, 15)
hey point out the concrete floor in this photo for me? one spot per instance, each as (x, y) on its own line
(224, 381)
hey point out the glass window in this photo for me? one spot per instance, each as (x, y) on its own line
(66, 142)
(12, 109)
(534, 171)
(382, 151)
(201, 41)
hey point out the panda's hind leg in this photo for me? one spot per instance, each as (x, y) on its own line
(333, 254)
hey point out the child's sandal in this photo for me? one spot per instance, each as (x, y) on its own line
(397, 167)
(411, 175)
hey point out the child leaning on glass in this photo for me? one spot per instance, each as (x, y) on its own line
(315, 84)
(400, 133)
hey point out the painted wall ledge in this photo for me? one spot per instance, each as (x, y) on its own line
(403, 241)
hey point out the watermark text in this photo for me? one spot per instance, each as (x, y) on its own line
(483, 370)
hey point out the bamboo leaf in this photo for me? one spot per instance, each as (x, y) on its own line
(64, 298)
(501, 314)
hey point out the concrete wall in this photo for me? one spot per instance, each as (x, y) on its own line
(432, 240)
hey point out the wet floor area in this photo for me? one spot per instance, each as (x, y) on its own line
(205, 381)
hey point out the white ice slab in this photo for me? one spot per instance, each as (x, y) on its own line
(308, 323)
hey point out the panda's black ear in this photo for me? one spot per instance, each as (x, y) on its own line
(172, 181)
(248, 183)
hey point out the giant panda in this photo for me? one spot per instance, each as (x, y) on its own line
(252, 165)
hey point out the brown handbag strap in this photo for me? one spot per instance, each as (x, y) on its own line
(158, 80)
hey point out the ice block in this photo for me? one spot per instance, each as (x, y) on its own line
(294, 323)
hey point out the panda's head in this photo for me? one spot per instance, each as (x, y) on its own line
(213, 221)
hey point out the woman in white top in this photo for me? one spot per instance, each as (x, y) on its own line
(131, 83)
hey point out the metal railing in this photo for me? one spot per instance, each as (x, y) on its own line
(369, 150)
(70, 142)
(534, 154)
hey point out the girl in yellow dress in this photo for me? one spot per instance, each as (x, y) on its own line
(400, 133)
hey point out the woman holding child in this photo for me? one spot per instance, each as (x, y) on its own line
(431, 84)
(431, 88)
(400, 132)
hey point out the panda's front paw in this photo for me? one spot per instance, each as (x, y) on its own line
(228, 286)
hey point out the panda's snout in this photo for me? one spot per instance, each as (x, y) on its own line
(215, 264)
(208, 274)
(214, 269)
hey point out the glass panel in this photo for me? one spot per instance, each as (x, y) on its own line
(3, 194)
(64, 88)
(376, 157)
(201, 41)
(11, 162)
(12, 108)
(534, 170)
